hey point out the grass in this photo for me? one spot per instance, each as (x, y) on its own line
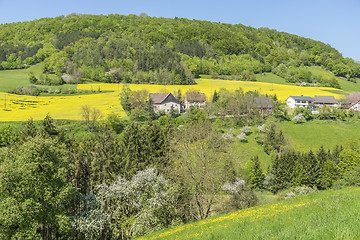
(345, 85)
(323, 215)
(11, 79)
(313, 134)
(271, 78)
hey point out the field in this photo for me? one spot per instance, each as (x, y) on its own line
(323, 215)
(313, 134)
(21, 108)
(345, 85)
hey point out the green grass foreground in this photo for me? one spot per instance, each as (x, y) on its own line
(323, 215)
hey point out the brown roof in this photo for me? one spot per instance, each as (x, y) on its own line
(158, 98)
(352, 99)
(325, 100)
(264, 102)
(195, 97)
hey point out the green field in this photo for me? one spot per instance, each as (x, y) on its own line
(345, 85)
(11, 79)
(313, 134)
(323, 215)
(317, 71)
(271, 78)
(300, 137)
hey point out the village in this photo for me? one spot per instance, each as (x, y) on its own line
(166, 101)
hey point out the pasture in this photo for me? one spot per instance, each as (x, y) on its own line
(330, 214)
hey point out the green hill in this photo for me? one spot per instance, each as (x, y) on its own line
(142, 49)
(323, 215)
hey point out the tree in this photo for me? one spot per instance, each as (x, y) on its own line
(8, 135)
(256, 176)
(48, 126)
(128, 208)
(36, 201)
(200, 164)
(32, 78)
(29, 130)
(215, 97)
(90, 116)
(125, 95)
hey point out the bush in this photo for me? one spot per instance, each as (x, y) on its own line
(352, 178)
(31, 91)
(8, 134)
(243, 197)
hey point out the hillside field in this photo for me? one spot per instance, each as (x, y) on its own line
(331, 214)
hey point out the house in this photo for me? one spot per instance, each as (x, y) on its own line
(164, 102)
(320, 101)
(298, 101)
(195, 99)
(329, 101)
(265, 105)
(353, 102)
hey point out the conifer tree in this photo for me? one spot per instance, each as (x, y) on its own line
(256, 176)
(299, 177)
(312, 169)
(322, 157)
(215, 97)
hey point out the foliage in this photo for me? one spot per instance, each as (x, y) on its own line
(132, 207)
(271, 136)
(256, 176)
(243, 197)
(136, 49)
(38, 202)
(8, 135)
(200, 163)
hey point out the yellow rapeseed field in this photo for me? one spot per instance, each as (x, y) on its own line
(21, 108)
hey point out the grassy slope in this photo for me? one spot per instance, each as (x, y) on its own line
(324, 215)
(345, 85)
(11, 79)
(313, 134)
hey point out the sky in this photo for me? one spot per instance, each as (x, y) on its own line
(333, 22)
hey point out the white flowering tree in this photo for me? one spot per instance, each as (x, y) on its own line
(243, 197)
(128, 208)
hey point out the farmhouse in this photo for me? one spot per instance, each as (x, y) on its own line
(195, 99)
(353, 102)
(298, 101)
(320, 101)
(329, 101)
(164, 102)
(265, 105)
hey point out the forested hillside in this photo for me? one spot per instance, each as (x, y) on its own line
(142, 49)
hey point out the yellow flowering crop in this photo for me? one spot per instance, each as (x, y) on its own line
(21, 108)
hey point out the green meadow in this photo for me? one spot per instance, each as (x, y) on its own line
(331, 214)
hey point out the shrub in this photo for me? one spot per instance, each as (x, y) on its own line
(243, 197)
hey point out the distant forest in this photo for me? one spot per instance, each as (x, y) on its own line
(143, 49)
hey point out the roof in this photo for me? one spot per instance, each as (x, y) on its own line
(67, 77)
(195, 97)
(264, 102)
(158, 98)
(325, 99)
(302, 98)
(352, 99)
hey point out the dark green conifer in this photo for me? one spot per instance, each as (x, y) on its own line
(256, 176)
